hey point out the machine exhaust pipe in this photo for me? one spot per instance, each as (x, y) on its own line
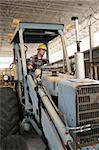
(79, 57)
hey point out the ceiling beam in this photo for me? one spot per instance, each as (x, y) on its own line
(51, 7)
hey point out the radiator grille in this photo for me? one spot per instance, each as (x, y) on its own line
(88, 107)
(88, 113)
(87, 90)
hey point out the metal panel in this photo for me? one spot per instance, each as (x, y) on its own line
(51, 84)
(66, 102)
(52, 136)
(80, 106)
(45, 26)
(93, 147)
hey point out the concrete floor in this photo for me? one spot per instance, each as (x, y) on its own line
(34, 142)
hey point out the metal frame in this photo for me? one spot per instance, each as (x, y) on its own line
(35, 26)
(19, 33)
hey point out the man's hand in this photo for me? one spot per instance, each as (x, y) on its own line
(30, 66)
(37, 72)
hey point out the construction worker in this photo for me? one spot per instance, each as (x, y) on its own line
(37, 60)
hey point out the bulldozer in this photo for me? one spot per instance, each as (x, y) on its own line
(63, 110)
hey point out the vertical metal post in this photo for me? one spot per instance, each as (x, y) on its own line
(19, 70)
(22, 48)
(91, 41)
(18, 62)
(65, 54)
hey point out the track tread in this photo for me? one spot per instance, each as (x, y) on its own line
(13, 142)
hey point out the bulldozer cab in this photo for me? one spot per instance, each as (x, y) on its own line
(34, 33)
(29, 33)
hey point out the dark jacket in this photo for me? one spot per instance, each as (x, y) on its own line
(35, 62)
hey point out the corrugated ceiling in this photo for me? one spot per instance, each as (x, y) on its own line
(52, 11)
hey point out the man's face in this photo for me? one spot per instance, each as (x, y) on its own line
(41, 52)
